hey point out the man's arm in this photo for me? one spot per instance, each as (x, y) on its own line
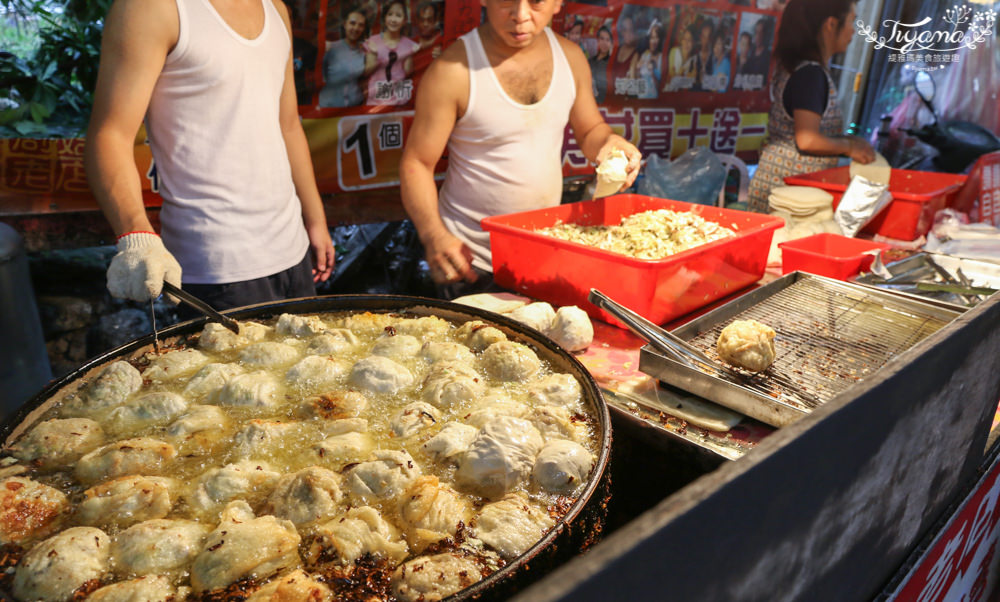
(137, 37)
(593, 134)
(302, 169)
(437, 109)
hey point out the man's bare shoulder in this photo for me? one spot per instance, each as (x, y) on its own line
(574, 54)
(151, 21)
(451, 68)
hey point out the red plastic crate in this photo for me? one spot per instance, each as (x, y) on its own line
(660, 290)
(830, 255)
(916, 197)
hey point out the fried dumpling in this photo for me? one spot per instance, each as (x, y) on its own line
(141, 455)
(246, 479)
(380, 375)
(383, 478)
(500, 457)
(158, 546)
(562, 466)
(58, 442)
(244, 545)
(127, 500)
(175, 364)
(216, 337)
(304, 497)
(747, 344)
(55, 568)
(29, 510)
(432, 511)
(151, 588)
(512, 525)
(429, 578)
(510, 361)
(358, 532)
(110, 388)
(292, 587)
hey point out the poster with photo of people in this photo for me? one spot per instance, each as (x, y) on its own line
(666, 74)
(753, 51)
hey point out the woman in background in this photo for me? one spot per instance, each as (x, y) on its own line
(718, 66)
(344, 64)
(681, 63)
(649, 69)
(623, 65)
(389, 58)
(805, 126)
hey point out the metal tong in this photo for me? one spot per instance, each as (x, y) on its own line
(201, 306)
(662, 339)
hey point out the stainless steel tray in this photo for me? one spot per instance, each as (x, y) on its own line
(917, 268)
(830, 335)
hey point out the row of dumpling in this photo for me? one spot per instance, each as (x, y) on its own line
(339, 510)
(569, 326)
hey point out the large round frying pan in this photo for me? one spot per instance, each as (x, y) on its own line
(577, 530)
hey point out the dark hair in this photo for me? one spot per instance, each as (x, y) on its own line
(661, 33)
(798, 34)
(343, 23)
(432, 5)
(390, 4)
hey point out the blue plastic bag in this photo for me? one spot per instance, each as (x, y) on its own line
(697, 176)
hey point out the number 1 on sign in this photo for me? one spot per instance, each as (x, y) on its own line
(361, 141)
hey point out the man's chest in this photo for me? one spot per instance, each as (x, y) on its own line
(525, 85)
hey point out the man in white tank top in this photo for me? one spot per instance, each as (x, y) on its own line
(499, 100)
(241, 214)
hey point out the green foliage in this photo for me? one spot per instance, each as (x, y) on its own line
(51, 84)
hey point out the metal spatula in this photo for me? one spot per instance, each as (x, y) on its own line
(201, 306)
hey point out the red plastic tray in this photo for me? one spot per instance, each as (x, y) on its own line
(830, 255)
(916, 197)
(563, 272)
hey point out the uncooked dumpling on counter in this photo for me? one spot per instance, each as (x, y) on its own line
(572, 328)
(747, 344)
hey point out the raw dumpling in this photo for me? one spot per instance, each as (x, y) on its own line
(430, 578)
(158, 546)
(512, 525)
(126, 457)
(292, 587)
(58, 442)
(29, 510)
(58, 566)
(510, 361)
(380, 375)
(877, 171)
(175, 364)
(244, 546)
(304, 497)
(538, 315)
(571, 328)
(127, 500)
(358, 532)
(500, 457)
(747, 344)
(383, 478)
(562, 466)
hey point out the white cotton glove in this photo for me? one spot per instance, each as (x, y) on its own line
(141, 265)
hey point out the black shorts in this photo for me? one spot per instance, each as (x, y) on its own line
(296, 281)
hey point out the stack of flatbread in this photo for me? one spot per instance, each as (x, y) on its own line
(806, 211)
(800, 201)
